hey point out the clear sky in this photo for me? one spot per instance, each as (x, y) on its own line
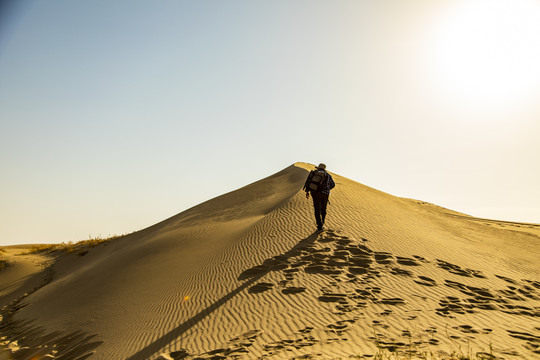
(116, 114)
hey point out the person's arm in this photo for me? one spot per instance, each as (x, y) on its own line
(331, 183)
(307, 181)
(306, 184)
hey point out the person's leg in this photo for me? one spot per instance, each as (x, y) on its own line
(317, 207)
(324, 202)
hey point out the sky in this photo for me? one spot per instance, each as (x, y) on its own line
(115, 115)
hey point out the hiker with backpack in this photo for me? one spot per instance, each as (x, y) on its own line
(319, 183)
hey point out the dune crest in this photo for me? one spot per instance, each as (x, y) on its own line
(244, 276)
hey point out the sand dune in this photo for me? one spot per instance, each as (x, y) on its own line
(245, 276)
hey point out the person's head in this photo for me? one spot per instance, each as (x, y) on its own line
(321, 166)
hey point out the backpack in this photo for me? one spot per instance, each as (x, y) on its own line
(317, 180)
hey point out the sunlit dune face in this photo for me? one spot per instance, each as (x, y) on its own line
(487, 52)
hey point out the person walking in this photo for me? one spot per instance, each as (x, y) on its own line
(319, 183)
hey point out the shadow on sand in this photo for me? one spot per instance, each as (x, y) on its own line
(36, 343)
(33, 341)
(251, 276)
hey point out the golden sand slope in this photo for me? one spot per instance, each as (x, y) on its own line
(244, 276)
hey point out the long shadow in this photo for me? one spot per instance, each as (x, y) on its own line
(36, 343)
(253, 275)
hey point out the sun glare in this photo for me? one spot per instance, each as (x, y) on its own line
(487, 52)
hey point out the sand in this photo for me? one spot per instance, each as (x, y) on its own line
(244, 276)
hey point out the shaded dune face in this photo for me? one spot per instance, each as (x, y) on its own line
(244, 275)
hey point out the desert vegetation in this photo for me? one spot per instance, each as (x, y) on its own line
(80, 247)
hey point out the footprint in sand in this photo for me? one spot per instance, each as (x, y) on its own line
(450, 305)
(387, 343)
(383, 257)
(341, 298)
(250, 335)
(327, 239)
(340, 327)
(342, 309)
(467, 329)
(289, 344)
(532, 342)
(260, 287)
(366, 294)
(457, 270)
(484, 299)
(392, 301)
(407, 261)
(536, 284)
(400, 271)
(293, 290)
(306, 330)
(511, 293)
(511, 281)
(426, 281)
(467, 290)
(361, 260)
(360, 249)
(234, 348)
(421, 259)
(520, 310)
(291, 271)
(322, 269)
(378, 323)
(175, 355)
(356, 270)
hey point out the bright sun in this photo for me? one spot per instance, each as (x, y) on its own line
(487, 52)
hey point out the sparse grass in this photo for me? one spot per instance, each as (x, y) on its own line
(3, 264)
(413, 352)
(40, 248)
(387, 355)
(81, 247)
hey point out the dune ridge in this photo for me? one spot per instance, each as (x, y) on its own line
(244, 276)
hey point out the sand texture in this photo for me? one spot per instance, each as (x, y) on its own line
(244, 276)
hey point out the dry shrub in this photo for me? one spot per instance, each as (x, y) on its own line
(81, 247)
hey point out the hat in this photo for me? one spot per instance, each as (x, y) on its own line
(321, 166)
